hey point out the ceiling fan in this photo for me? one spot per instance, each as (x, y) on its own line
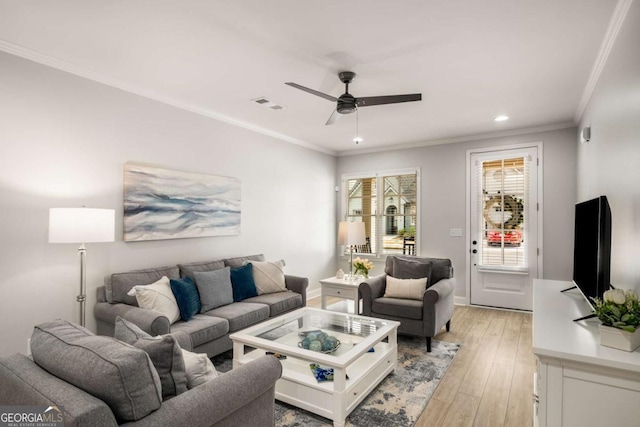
(347, 103)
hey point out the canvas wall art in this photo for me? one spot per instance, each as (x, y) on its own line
(168, 204)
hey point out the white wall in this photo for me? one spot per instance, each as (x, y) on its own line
(610, 163)
(63, 142)
(443, 205)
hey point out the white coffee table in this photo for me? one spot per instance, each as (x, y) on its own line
(298, 386)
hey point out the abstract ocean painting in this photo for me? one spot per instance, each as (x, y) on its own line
(167, 204)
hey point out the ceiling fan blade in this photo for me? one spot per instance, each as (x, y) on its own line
(333, 117)
(313, 92)
(368, 101)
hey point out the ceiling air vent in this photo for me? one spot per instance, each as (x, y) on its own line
(265, 102)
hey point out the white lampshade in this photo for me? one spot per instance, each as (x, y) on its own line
(351, 233)
(81, 225)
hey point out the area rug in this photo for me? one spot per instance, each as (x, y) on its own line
(398, 400)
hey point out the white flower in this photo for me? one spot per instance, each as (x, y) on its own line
(607, 296)
(618, 296)
(631, 295)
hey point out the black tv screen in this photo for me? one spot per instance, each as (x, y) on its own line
(592, 247)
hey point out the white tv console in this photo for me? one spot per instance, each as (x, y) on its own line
(578, 382)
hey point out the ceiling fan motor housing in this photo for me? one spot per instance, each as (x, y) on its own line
(346, 104)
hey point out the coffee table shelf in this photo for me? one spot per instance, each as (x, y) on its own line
(298, 386)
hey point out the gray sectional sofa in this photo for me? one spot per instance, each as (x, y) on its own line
(208, 332)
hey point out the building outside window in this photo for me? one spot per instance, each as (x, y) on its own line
(387, 203)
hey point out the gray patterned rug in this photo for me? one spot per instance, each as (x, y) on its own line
(398, 400)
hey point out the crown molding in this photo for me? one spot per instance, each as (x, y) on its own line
(68, 67)
(465, 138)
(617, 19)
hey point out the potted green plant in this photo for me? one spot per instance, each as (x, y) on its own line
(619, 312)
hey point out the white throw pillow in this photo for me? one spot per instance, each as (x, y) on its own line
(158, 297)
(268, 276)
(199, 368)
(405, 288)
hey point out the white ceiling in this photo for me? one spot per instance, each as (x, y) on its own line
(471, 60)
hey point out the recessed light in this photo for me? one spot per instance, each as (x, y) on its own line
(358, 140)
(501, 118)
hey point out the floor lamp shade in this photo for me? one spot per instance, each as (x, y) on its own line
(81, 225)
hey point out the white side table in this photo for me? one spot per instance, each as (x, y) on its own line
(341, 288)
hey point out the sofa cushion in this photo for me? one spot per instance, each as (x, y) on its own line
(214, 288)
(405, 288)
(242, 283)
(268, 276)
(165, 354)
(187, 297)
(203, 328)
(278, 302)
(119, 374)
(159, 297)
(410, 269)
(200, 369)
(397, 307)
(240, 314)
(239, 261)
(187, 270)
(119, 284)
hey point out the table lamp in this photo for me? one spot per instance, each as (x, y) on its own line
(81, 225)
(351, 234)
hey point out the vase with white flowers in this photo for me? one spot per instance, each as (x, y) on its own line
(619, 312)
(362, 267)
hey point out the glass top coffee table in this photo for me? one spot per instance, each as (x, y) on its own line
(339, 345)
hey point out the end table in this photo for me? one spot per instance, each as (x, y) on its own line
(341, 288)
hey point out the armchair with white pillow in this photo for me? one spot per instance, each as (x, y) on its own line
(415, 291)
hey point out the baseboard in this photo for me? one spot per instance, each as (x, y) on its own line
(314, 293)
(460, 300)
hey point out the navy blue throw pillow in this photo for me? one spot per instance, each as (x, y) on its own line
(187, 297)
(242, 283)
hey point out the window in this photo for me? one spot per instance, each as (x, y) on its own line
(504, 195)
(387, 203)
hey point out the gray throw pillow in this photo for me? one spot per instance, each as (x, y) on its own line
(120, 375)
(214, 288)
(410, 269)
(187, 270)
(164, 352)
(128, 332)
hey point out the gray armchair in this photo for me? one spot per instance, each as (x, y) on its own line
(423, 318)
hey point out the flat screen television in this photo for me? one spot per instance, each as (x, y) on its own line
(592, 248)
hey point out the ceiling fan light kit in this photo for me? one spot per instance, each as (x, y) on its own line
(347, 103)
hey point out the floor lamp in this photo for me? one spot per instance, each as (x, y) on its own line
(81, 225)
(351, 234)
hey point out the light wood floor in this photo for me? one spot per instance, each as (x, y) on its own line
(490, 382)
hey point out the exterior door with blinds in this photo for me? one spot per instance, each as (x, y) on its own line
(504, 227)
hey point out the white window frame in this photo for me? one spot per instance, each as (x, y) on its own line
(379, 175)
